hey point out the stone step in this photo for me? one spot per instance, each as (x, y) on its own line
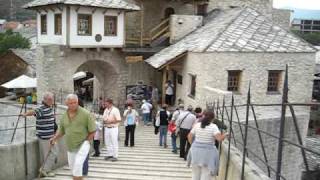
(144, 160)
(97, 175)
(145, 154)
(111, 170)
(137, 164)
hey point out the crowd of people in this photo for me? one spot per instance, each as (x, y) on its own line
(78, 126)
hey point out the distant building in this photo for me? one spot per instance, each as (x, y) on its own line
(306, 25)
(12, 25)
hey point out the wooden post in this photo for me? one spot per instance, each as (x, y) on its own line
(164, 80)
(141, 23)
(68, 26)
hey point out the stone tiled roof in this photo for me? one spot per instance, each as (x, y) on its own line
(28, 55)
(234, 30)
(112, 4)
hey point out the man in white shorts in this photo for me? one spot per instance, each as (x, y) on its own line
(79, 127)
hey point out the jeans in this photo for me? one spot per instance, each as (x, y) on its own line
(146, 118)
(163, 134)
(130, 132)
(174, 142)
(85, 168)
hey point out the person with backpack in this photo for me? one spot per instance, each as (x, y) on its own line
(163, 116)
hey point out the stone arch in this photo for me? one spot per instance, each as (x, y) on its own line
(106, 78)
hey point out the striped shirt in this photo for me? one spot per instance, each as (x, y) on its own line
(205, 135)
(45, 122)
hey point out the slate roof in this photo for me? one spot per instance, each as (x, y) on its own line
(28, 55)
(234, 30)
(112, 4)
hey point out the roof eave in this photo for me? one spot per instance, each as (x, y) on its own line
(137, 8)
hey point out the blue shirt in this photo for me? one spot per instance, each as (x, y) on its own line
(130, 119)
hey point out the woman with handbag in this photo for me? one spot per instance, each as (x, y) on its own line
(203, 155)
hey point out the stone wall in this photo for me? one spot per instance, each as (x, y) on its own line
(281, 17)
(13, 153)
(181, 25)
(211, 70)
(56, 67)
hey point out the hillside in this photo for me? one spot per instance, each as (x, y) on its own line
(17, 12)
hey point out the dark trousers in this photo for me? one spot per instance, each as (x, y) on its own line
(130, 132)
(96, 144)
(184, 144)
(169, 99)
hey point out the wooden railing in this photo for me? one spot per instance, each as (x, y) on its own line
(161, 30)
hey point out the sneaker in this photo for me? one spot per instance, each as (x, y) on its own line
(113, 159)
(47, 174)
(107, 158)
(174, 151)
(165, 146)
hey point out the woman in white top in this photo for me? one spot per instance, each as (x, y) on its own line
(131, 119)
(203, 155)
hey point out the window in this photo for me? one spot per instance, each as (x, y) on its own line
(57, 24)
(192, 85)
(179, 79)
(43, 22)
(110, 25)
(84, 24)
(274, 78)
(234, 80)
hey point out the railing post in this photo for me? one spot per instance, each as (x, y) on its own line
(25, 142)
(282, 124)
(229, 138)
(245, 134)
(15, 128)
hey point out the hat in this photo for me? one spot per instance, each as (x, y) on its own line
(181, 105)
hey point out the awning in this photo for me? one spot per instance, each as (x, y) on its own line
(88, 81)
(22, 81)
(79, 75)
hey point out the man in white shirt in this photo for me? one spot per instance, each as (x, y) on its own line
(111, 119)
(184, 124)
(146, 109)
(169, 93)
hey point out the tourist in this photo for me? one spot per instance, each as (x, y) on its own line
(199, 114)
(169, 92)
(96, 139)
(146, 110)
(173, 127)
(204, 156)
(111, 119)
(45, 122)
(131, 118)
(184, 124)
(163, 115)
(78, 127)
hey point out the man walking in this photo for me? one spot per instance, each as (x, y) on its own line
(111, 119)
(78, 127)
(184, 125)
(45, 123)
(146, 111)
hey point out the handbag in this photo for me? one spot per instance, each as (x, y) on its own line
(172, 127)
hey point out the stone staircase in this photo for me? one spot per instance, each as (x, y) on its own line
(146, 161)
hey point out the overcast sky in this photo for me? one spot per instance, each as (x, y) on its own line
(300, 4)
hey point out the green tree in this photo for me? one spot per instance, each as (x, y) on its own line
(312, 38)
(12, 40)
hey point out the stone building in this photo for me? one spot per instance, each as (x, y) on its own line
(235, 47)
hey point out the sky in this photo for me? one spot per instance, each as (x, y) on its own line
(298, 4)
